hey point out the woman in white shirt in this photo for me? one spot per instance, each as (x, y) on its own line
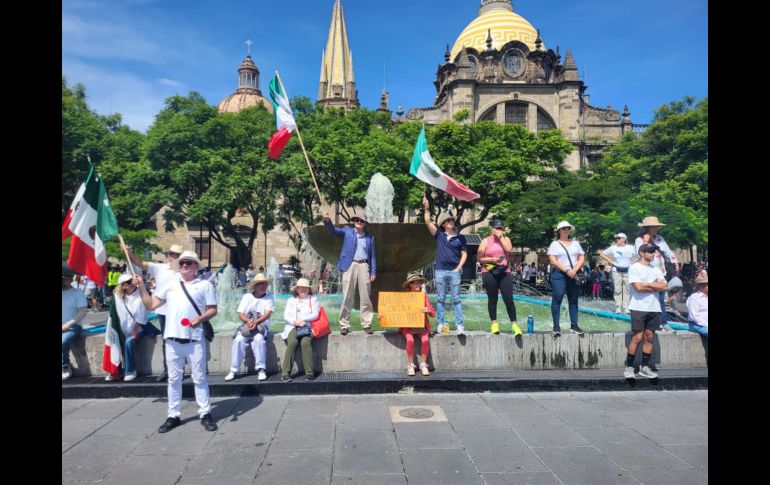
(698, 306)
(567, 257)
(300, 311)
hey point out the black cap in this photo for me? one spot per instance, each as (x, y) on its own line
(648, 248)
(497, 223)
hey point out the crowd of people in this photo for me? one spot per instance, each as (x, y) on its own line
(183, 296)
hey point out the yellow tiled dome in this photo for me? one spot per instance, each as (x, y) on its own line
(505, 26)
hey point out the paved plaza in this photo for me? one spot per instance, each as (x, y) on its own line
(592, 438)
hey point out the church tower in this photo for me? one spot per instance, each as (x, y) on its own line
(337, 86)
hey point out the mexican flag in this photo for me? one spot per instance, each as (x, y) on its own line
(113, 344)
(284, 119)
(424, 168)
(91, 223)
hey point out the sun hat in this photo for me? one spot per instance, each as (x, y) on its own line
(304, 283)
(124, 278)
(621, 234)
(359, 216)
(651, 221)
(189, 256)
(565, 224)
(445, 217)
(176, 248)
(703, 277)
(413, 276)
(258, 278)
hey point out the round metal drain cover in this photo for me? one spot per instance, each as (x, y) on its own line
(416, 413)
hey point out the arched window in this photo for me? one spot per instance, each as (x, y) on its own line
(516, 114)
(490, 115)
(544, 121)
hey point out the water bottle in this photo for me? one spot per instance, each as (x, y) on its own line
(445, 329)
(530, 324)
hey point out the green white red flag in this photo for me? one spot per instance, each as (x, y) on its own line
(91, 223)
(114, 342)
(284, 119)
(424, 168)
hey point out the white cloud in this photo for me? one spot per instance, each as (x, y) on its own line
(170, 82)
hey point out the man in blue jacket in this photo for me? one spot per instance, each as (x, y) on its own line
(358, 266)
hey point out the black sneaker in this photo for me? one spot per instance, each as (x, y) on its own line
(343, 331)
(162, 377)
(208, 422)
(577, 330)
(556, 332)
(285, 379)
(170, 424)
(309, 377)
(368, 330)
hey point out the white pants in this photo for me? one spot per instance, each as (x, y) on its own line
(357, 276)
(195, 354)
(258, 346)
(622, 296)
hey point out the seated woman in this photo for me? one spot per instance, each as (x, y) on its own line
(414, 282)
(254, 311)
(300, 311)
(698, 306)
(133, 316)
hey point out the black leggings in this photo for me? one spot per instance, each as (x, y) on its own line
(504, 283)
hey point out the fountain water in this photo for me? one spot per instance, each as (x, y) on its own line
(272, 271)
(379, 200)
(229, 295)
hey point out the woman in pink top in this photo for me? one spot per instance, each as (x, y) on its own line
(496, 275)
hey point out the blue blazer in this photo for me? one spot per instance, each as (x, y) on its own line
(349, 247)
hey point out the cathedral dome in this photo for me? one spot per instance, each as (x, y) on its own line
(505, 26)
(248, 93)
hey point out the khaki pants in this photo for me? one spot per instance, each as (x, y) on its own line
(357, 276)
(622, 297)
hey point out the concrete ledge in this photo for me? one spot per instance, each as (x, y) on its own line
(385, 351)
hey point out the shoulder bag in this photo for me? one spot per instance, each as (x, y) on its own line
(208, 330)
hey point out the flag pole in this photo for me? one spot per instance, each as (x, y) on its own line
(320, 197)
(125, 250)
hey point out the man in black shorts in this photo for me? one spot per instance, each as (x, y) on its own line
(645, 283)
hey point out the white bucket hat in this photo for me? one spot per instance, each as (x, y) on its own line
(124, 278)
(621, 234)
(565, 224)
(189, 256)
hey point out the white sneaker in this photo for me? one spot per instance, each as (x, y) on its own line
(460, 329)
(262, 375)
(440, 328)
(230, 376)
(130, 377)
(629, 373)
(66, 372)
(109, 378)
(647, 372)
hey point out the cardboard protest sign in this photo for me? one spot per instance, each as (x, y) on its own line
(401, 309)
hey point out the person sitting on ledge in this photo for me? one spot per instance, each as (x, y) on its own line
(73, 310)
(698, 306)
(254, 311)
(414, 281)
(132, 316)
(300, 310)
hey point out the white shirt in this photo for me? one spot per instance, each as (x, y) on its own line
(644, 301)
(556, 249)
(306, 309)
(659, 261)
(620, 254)
(72, 301)
(178, 306)
(698, 308)
(135, 306)
(250, 303)
(163, 275)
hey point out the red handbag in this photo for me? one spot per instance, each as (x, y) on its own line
(320, 327)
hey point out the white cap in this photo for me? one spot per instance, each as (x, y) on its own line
(620, 234)
(124, 277)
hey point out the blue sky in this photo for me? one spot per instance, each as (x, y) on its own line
(132, 54)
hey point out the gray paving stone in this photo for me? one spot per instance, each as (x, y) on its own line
(542, 478)
(131, 424)
(311, 405)
(216, 481)
(366, 452)
(499, 450)
(103, 408)
(573, 412)
(254, 413)
(629, 449)
(305, 433)
(666, 434)
(187, 439)
(74, 430)
(430, 399)
(364, 415)
(514, 403)
(481, 417)
(543, 430)
(69, 406)
(369, 479)
(679, 477)
(426, 435)
(155, 469)
(583, 465)
(227, 456)
(694, 455)
(287, 467)
(445, 467)
(93, 458)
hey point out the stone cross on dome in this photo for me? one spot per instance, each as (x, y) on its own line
(248, 43)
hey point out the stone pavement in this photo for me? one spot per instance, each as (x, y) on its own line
(596, 438)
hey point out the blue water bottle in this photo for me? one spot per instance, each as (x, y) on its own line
(530, 324)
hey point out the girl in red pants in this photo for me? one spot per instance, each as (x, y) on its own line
(414, 282)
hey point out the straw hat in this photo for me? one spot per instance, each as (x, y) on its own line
(565, 224)
(124, 278)
(302, 282)
(651, 221)
(703, 277)
(445, 217)
(176, 248)
(359, 216)
(413, 276)
(189, 256)
(258, 278)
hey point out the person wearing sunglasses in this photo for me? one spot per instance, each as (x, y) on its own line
(163, 273)
(619, 256)
(566, 257)
(190, 300)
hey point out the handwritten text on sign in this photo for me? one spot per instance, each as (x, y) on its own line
(401, 309)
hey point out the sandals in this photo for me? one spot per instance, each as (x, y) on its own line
(410, 370)
(424, 369)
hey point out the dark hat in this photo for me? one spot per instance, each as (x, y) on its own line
(66, 270)
(497, 223)
(648, 248)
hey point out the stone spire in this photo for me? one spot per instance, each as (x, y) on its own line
(538, 41)
(337, 86)
(489, 39)
(384, 105)
(447, 54)
(570, 68)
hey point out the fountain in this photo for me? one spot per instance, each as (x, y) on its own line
(228, 297)
(399, 247)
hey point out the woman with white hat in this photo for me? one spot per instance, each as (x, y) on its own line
(300, 310)
(254, 311)
(698, 306)
(133, 316)
(648, 234)
(619, 256)
(567, 257)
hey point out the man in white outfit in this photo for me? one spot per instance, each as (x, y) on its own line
(190, 300)
(254, 311)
